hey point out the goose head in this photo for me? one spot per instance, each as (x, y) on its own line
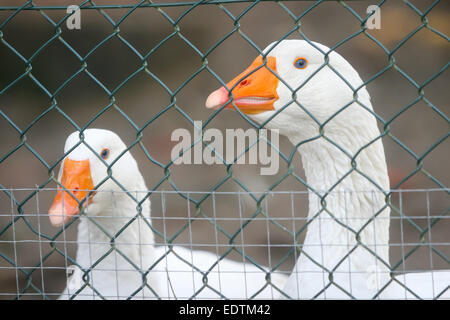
(94, 165)
(301, 86)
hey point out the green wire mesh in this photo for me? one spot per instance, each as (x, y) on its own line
(115, 17)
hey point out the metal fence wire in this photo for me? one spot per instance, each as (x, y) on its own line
(253, 221)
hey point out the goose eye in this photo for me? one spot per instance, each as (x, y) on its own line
(105, 153)
(300, 63)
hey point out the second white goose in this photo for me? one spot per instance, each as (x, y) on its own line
(117, 257)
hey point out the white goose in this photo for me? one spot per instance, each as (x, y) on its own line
(355, 199)
(114, 248)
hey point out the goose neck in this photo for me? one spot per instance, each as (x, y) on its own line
(347, 198)
(114, 227)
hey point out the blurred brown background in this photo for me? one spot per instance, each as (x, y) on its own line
(141, 98)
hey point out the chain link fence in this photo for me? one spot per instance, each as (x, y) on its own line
(143, 69)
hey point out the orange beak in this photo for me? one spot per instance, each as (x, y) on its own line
(76, 177)
(255, 92)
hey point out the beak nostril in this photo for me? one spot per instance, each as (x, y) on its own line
(244, 83)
